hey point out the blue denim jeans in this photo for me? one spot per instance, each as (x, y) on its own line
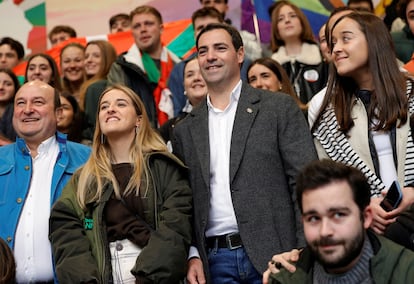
(232, 266)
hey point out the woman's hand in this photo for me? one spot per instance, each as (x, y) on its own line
(381, 218)
(407, 200)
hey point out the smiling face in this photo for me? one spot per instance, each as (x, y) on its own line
(34, 117)
(39, 69)
(117, 115)
(218, 59)
(7, 88)
(334, 226)
(146, 29)
(73, 63)
(350, 50)
(194, 84)
(288, 23)
(261, 77)
(93, 58)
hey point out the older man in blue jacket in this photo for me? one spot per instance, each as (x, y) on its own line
(33, 172)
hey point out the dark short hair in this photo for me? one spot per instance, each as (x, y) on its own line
(320, 173)
(117, 17)
(146, 9)
(235, 35)
(62, 29)
(14, 45)
(207, 12)
(371, 5)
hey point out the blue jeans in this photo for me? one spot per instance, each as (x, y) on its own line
(232, 266)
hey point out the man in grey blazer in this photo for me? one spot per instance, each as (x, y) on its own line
(244, 148)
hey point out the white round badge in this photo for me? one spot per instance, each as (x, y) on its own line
(311, 75)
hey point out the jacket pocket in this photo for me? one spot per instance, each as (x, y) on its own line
(5, 183)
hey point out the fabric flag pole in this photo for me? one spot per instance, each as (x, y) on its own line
(256, 24)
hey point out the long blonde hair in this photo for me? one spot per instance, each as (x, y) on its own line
(97, 171)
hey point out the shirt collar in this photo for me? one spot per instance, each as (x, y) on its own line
(46, 145)
(234, 97)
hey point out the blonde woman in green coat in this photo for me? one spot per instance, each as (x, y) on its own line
(125, 216)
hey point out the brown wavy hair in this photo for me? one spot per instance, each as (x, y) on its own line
(55, 78)
(306, 35)
(389, 100)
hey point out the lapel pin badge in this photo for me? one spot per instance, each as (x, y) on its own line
(249, 110)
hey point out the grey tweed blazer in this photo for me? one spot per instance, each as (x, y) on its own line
(270, 143)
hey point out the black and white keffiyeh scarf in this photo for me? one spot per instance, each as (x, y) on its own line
(340, 150)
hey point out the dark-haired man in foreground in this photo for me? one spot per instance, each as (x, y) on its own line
(334, 202)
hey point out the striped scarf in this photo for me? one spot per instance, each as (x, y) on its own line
(162, 95)
(340, 150)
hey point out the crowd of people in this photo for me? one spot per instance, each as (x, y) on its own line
(227, 166)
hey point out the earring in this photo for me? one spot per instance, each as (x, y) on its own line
(102, 138)
(136, 129)
(280, 88)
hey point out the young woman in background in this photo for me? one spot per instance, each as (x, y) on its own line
(72, 65)
(43, 67)
(90, 91)
(295, 49)
(9, 84)
(70, 119)
(265, 73)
